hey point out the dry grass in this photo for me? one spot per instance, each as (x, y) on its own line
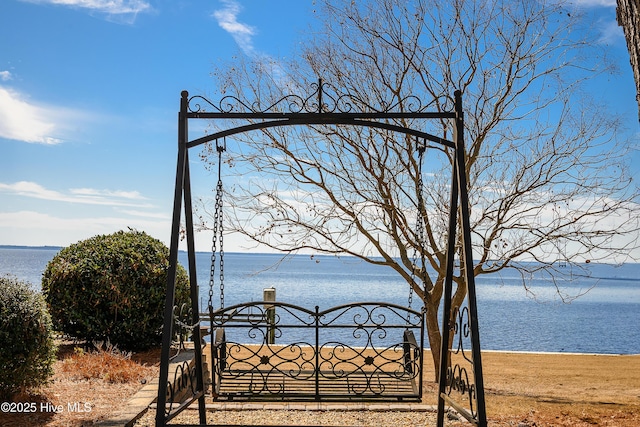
(106, 363)
(88, 386)
(545, 390)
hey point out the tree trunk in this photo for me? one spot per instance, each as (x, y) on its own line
(433, 333)
(628, 15)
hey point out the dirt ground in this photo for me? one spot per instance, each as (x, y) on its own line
(522, 390)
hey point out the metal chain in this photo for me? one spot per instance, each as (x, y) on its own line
(214, 243)
(420, 226)
(212, 271)
(419, 223)
(217, 234)
(219, 204)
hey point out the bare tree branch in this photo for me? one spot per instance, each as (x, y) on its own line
(548, 179)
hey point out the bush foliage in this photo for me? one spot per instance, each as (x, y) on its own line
(27, 347)
(112, 288)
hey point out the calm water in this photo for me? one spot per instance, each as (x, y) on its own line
(604, 320)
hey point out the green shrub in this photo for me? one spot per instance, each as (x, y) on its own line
(112, 288)
(27, 347)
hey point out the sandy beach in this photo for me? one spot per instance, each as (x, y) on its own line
(563, 389)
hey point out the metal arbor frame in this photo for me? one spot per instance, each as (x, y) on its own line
(321, 107)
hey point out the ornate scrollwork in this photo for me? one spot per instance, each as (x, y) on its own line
(365, 366)
(462, 332)
(458, 379)
(338, 360)
(321, 98)
(183, 387)
(263, 368)
(369, 315)
(182, 327)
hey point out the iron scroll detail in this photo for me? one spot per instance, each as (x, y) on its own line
(458, 379)
(182, 389)
(354, 351)
(322, 98)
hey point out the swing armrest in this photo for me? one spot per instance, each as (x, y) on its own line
(409, 344)
(410, 338)
(219, 338)
(204, 331)
(219, 347)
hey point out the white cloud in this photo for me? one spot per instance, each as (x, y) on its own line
(82, 196)
(33, 228)
(106, 193)
(594, 3)
(610, 32)
(123, 10)
(5, 75)
(37, 228)
(146, 214)
(607, 26)
(28, 219)
(228, 20)
(22, 120)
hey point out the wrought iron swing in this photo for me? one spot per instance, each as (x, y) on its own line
(272, 350)
(317, 367)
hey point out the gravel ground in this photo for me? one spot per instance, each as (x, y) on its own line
(302, 418)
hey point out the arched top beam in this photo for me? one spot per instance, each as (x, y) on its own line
(319, 119)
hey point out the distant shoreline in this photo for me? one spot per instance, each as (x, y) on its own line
(30, 247)
(319, 255)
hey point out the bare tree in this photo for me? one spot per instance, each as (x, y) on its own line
(548, 178)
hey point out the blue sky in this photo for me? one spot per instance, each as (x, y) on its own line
(89, 93)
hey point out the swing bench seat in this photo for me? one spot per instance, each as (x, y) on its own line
(353, 386)
(278, 351)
